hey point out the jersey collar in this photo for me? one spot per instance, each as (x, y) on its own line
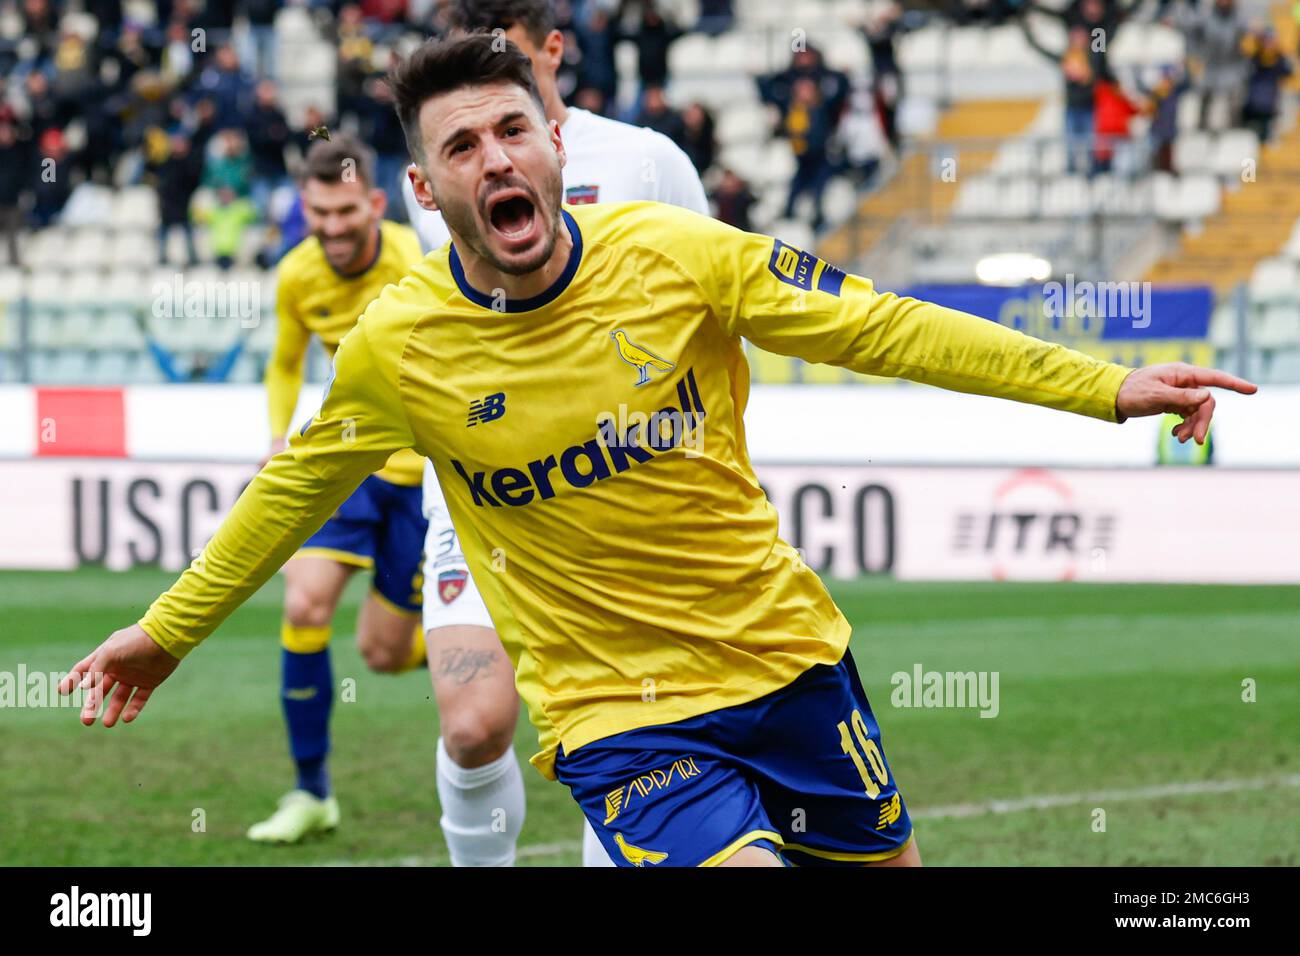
(534, 302)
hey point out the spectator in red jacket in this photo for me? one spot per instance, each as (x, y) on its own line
(1112, 112)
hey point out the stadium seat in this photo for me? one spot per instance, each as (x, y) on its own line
(1017, 157)
(794, 232)
(313, 62)
(59, 367)
(1187, 198)
(746, 160)
(719, 93)
(965, 49)
(1223, 324)
(744, 124)
(294, 23)
(46, 287)
(89, 248)
(75, 329)
(1189, 111)
(840, 201)
(84, 288)
(116, 328)
(89, 205)
(846, 50)
(47, 248)
(1066, 197)
(1279, 326)
(143, 370)
(1193, 151)
(248, 368)
(1234, 148)
(978, 198)
(1116, 196)
(128, 285)
(1006, 47)
(1273, 279)
(1146, 44)
(1285, 366)
(10, 328)
(698, 53)
(12, 285)
(136, 207)
(135, 250)
(919, 50)
(111, 368)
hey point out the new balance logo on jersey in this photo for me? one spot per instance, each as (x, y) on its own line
(611, 452)
(487, 409)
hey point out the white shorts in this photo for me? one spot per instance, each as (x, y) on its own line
(450, 594)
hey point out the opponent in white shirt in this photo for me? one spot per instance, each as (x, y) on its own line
(479, 781)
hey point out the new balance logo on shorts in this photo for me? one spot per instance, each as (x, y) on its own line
(487, 409)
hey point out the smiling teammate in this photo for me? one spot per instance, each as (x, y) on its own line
(324, 284)
(687, 675)
(477, 771)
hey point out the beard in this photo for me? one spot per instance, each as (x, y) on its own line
(463, 219)
(346, 260)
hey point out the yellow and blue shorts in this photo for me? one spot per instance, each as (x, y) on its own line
(801, 772)
(380, 526)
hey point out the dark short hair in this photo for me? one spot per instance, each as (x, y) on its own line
(537, 17)
(327, 158)
(441, 66)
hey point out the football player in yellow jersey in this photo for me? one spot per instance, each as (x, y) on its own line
(324, 284)
(687, 675)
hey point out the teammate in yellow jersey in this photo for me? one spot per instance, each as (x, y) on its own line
(325, 283)
(686, 673)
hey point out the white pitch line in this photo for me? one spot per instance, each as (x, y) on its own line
(958, 811)
(954, 811)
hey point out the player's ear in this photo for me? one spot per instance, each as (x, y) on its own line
(553, 49)
(423, 190)
(378, 202)
(557, 141)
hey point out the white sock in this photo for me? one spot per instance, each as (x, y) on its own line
(593, 851)
(482, 809)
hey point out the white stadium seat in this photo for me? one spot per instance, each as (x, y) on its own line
(136, 207)
(1193, 151)
(1185, 198)
(978, 198)
(1223, 325)
(749, 123)
(1278, 327)
(46, 287)
(1066, 197)
(1274, 278)
(1234, 149)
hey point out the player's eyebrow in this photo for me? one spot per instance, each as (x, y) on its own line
(465, 130)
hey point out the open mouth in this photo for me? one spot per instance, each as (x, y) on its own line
(512, 214)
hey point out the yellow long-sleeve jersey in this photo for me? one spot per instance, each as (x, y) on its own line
(313, 298)
(591, 445)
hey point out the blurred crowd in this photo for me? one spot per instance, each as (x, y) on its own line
(1236, 68)
(187, 101)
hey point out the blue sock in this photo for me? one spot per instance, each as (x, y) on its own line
(307, 695)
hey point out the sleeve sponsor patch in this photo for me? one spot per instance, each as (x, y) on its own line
(803, 270)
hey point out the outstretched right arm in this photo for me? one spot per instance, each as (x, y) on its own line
(360, 424)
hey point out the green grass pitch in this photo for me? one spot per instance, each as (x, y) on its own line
(1109, 694)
